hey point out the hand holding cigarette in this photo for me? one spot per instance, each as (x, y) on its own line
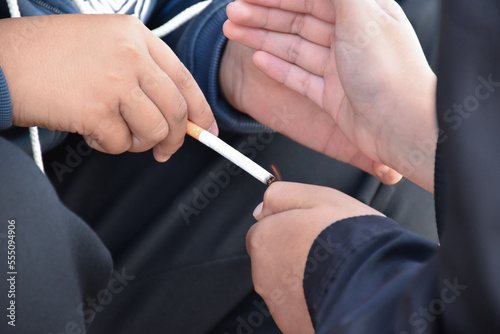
(361, 110)
(218, 145)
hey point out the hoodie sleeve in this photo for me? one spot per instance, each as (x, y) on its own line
(382, 279)
(5, 104)
(200, 46)
(368, 275)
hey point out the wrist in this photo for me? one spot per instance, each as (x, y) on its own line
(230, 75)
(412, 147)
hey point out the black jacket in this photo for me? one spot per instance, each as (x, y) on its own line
(368, 275)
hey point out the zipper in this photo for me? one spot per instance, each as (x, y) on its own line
(47, 6)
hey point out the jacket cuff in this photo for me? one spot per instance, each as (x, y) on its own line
(5, 104)
(201, 48)
(330, 262)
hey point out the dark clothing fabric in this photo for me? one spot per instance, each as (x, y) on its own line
(467, 162)
(183, 237)
(51, 260)
(175, 231)
(5, 104)
(375, 277)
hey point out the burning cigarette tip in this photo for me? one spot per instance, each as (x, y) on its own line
(270, 180)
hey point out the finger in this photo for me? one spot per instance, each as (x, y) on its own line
(306, 26)
(392, 8)
(144, 119)
(322, 9)
(385, 174)
(198, 108)
(362, 13)
(165, 94)
(341, 149)
(292, 76)
(111, 135)
(292, 48)
(285, 196)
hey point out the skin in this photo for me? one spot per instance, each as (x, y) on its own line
(290, 219)
(289, 112)
(377, 90)
(123, 90)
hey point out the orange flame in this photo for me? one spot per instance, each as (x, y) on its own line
(276, 172)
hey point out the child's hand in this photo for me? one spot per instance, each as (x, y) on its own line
(106, 77)
(360, 62)
(291, 218)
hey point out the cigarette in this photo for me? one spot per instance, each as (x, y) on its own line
(228, 152)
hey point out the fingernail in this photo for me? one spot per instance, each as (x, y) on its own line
(258, 210)
(165, 157)
(214, 129)
(384, 170)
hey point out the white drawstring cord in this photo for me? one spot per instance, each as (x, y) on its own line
(13, 8)
(80, 5)
(165, 29)
(181, 18)
(34, 137)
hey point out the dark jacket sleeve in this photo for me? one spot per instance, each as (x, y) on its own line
(368, 275)
(382, 279)
(200, 46)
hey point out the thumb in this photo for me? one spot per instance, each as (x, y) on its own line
(358, 12)
(285, 196)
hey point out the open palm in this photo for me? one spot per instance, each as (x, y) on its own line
(356, 61)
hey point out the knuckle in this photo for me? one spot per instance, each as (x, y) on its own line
(205, 113)
(130, 50)
(306, 85)
(294, 50)
(128, 22)
(297, 23)
(309, 6)
(180, 110)
(160, 132)
(255, 238)
(185, 80)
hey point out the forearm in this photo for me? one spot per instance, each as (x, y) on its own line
(412, 145)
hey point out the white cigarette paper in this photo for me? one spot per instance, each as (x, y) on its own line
(239, 159)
